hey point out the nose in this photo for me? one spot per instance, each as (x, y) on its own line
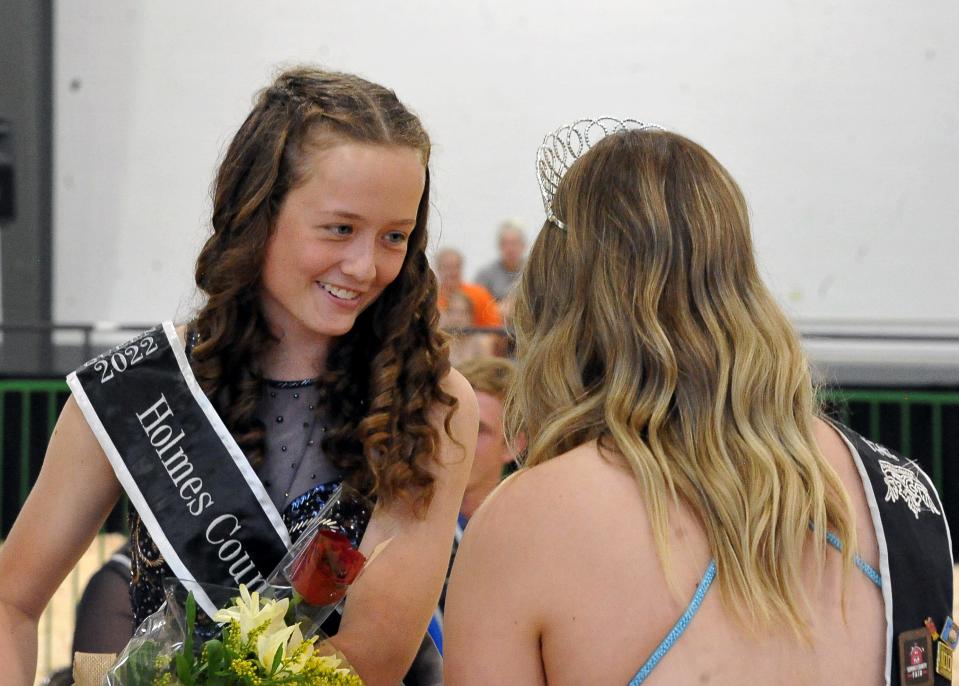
(359, 262)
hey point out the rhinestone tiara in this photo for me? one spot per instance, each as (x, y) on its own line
(566, 144)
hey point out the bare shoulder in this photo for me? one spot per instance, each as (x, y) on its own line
(553, 499)
(540, 519)
(457, 386)
(464, 422)
(834, 449)
(457, 432)
(828, 438)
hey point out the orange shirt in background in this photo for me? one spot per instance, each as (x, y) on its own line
(485, 310)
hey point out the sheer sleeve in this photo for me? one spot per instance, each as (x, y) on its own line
(104, 614)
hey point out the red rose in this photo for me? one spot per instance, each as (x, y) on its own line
(326, 568)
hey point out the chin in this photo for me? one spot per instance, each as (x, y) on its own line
(333, 329)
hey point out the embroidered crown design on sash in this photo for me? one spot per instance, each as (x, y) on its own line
(902, 483)
(881, 449)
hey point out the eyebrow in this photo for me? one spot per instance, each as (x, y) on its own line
(352, 215)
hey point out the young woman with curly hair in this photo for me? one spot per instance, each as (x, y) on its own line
(319, 349)
(686, 515)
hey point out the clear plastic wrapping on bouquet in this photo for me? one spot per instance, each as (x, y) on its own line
(151, 651)
(325, 559)
(272, 630)
(251, 639)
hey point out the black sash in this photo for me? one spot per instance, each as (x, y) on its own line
(915, 550)
(189, 481)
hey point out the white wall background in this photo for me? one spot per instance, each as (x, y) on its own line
(839, 118)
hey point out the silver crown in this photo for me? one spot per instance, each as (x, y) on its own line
(566, 144)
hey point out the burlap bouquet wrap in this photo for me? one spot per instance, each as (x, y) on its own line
(90, 668)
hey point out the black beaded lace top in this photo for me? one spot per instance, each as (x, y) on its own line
(299, 479)
(296, 473)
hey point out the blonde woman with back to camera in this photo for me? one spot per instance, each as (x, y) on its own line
(685, 515)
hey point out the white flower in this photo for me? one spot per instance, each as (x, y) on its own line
(289, 641)
(249, 614)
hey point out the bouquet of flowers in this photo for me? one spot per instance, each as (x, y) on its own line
(256, 645)
(267, 637)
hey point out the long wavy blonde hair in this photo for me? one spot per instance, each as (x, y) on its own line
(645, 326)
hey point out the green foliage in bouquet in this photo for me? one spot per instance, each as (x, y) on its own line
(257, 648)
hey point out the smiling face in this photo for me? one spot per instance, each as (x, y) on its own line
(340, 239)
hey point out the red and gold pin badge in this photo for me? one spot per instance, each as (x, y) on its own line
(944, 660)
(946, 644)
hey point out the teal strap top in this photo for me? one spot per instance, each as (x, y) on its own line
(700, 594)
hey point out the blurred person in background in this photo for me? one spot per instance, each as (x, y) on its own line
(449, 273)
(491, 378)
(464, 346)
(500, 276)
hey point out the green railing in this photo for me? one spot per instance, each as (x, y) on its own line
(29, 409)
(921, 424)
(28, 412)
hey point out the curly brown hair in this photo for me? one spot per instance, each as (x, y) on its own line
(383, 377)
